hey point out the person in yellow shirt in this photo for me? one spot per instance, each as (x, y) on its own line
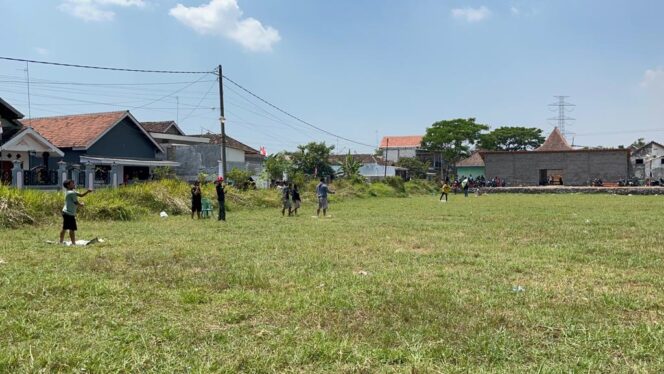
(445, 190)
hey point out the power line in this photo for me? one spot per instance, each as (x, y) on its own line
(187, 72)
(295, 117)
(104, 67)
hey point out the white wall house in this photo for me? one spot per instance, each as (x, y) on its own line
(648, 161)
(397, 147)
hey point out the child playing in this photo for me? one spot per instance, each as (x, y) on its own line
(445, 190)
(285, 197)
(69, 210)
(296, 199)
(196, 200)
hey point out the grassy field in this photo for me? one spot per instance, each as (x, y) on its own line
(385, 285)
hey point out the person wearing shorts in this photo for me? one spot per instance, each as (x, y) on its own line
(321, 191)
(285, 199)
(196, 200)
(297, 201)
(69, 210)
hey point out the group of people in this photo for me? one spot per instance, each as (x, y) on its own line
(291, 200)
(290, 193)
(197, 198)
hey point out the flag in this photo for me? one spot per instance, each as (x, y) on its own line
(263, 151)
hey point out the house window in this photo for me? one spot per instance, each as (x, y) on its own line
(639, 161)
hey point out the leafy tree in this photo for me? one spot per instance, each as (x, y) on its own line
(416, 168)
(276, 165)
(511, 139)
(239, 178)
(350, 166)
(313, 159)
(638, 143)
(452, 138)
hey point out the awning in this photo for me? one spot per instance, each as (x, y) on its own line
(127, 161)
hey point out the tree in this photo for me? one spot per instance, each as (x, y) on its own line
(276, 165)
(313, 159)
(511, 139)
(350, 167)
(416, 168)
(452, 138)
(638, 143)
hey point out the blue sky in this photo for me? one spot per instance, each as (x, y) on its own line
(361, 69)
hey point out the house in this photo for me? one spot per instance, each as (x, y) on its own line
(25, 149)
(372, 167)
(397, 147)
(105, 140)
(239, 155)
(558, 160)
(473, 166)
(169, 136)
(648, 161)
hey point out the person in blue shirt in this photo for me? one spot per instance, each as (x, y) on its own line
(321, 191)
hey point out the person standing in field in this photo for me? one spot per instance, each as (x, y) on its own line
(445, 190)
(196, 200)
(221, 197)
(321, 191)
(465, 186)
(285, 200)
(69, 210)
(297, 201)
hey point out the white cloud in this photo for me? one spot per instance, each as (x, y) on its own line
(42, 51)
(516, 11)
(96, 10)
(224, 18)
(472, 14)
(653, 78)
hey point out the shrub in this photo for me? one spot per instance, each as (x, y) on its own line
(395, 182)
(239, 178)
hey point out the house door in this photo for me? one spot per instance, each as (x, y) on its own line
(5, 172)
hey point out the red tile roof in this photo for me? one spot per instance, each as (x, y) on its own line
(75, 131)
(410, 141)
(555, 142)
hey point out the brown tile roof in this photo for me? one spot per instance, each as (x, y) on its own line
(75, 130)
(475, 159)
(160, 126)
(555, 142)
(230, 142)
(401, 141)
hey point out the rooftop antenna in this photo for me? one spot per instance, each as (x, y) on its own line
(27, 73)
(562, 107)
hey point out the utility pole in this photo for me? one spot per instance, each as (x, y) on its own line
(387, 148)
(222, 119)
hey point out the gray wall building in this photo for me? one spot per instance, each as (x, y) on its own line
(576, 167)
(556, 160)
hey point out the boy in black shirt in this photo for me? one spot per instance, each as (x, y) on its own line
(196, 200)
(296, 199)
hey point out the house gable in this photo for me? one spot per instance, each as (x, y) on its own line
(125, 140)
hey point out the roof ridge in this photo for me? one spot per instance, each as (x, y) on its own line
(75, 115)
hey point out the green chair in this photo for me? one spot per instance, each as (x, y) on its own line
(206, 212)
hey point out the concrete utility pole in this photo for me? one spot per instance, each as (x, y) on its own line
(222, 119)
(387, 148)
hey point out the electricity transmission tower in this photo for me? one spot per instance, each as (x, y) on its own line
(562, 107)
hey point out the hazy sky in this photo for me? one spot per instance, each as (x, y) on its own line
(361, 69)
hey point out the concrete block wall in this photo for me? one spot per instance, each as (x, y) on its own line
(577, 167)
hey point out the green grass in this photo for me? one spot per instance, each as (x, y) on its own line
(262, 293)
